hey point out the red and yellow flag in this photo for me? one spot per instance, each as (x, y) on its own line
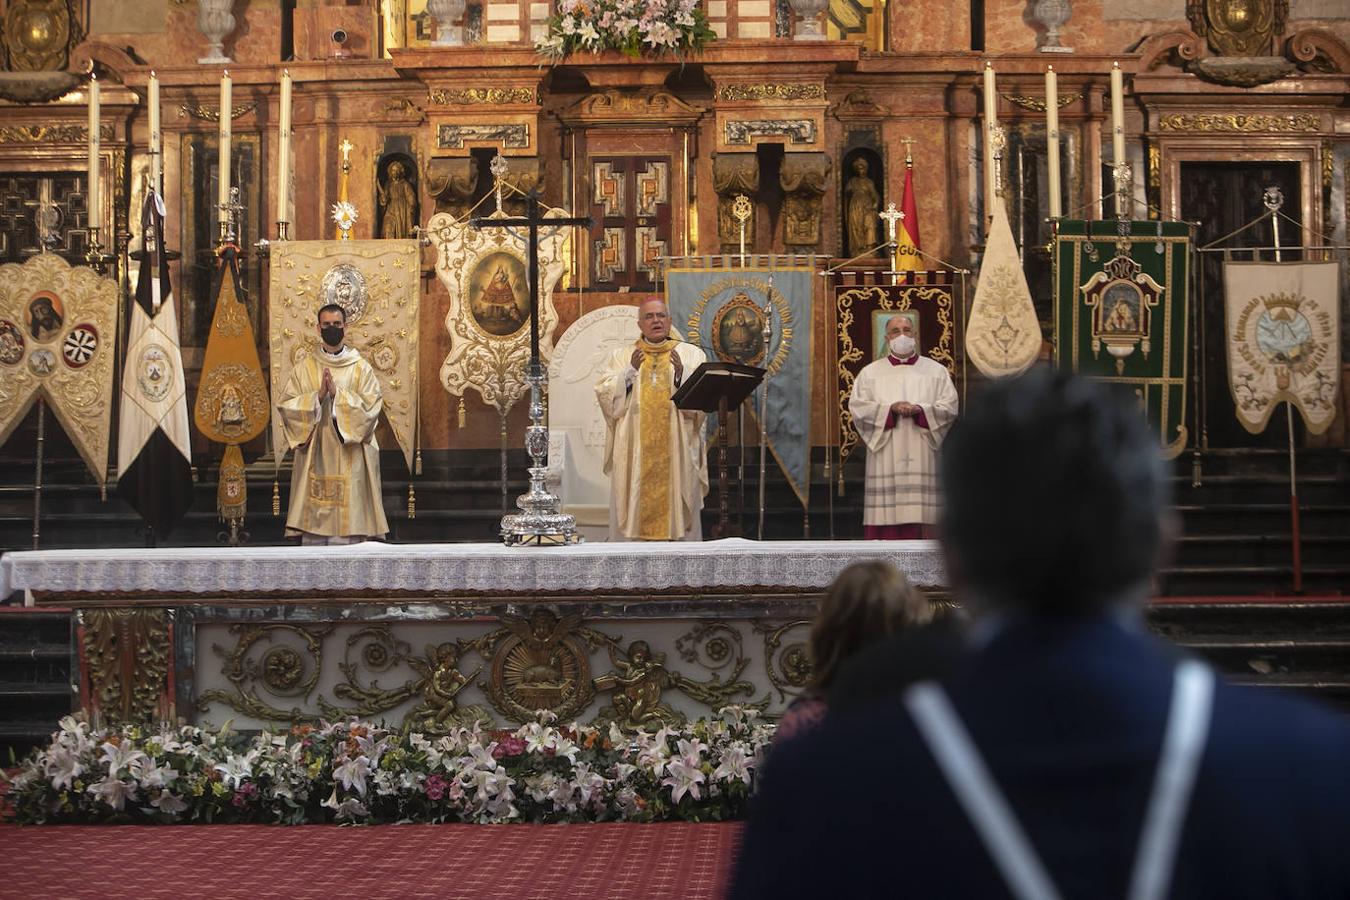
(907, 256)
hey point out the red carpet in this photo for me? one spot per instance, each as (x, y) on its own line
(521, 862)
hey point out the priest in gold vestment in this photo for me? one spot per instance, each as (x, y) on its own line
(329, 410)
(655, 454)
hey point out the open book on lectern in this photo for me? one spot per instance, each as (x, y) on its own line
(710, 382)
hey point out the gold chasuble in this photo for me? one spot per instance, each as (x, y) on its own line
(335, 486)
(655, 454)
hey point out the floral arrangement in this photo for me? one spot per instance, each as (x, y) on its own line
(357, 772)
(633, 27)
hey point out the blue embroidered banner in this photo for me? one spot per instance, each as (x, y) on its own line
(723, 310)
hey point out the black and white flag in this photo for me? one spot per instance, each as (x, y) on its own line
(154, 456)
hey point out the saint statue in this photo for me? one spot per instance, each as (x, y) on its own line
(398, 202)
(861, 208)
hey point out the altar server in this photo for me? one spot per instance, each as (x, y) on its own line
(655, 454)
(902, 405)
(329, 410)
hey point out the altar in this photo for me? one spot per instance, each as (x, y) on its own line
(437, 635)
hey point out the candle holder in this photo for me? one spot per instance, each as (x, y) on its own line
(94, 256)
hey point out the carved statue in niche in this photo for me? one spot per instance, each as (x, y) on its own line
(862, 204)
(803, 178)
(1238, 27)
(637, 683)
(734, 173)
(397, 196)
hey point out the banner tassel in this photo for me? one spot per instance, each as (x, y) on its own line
(463, 413)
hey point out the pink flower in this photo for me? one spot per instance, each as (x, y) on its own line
(435, 787)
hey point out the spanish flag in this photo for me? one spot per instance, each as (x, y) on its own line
(907, 258)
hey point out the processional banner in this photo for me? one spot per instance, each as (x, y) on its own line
(722, 310)
(1121, 313)
(1284, 340)
(376, 282)
(486, 273)
(57, 334)
(232, 406)
(1003, 336)
(861, 314)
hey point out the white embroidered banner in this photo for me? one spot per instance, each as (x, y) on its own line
(1284, 340)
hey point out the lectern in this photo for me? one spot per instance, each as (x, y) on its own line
(717, 387)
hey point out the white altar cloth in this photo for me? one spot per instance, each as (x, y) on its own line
(459, 568)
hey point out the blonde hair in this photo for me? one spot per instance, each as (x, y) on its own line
(867, 601)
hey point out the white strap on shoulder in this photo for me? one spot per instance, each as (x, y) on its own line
(1183, 747)
(1023, 872)
(985, 806)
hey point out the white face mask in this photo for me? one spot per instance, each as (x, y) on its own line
(902, 345)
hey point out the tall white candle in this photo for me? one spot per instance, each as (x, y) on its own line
(284, 151)
(95, 195)
(223, 161)
(1052, 139)
(1118, 127)
(156, 139)
(990, 121)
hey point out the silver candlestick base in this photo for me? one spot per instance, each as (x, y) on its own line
(539, 520)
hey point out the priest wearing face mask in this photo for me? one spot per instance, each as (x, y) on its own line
(902, 405)
(329, 410)
(654, 453)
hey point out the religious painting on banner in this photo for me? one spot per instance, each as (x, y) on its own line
(486, 273)
(723, 311)
(1284, 339)
(861, 314)
(1121, 314)
(232, 406)
(376, 282)
(57, 334)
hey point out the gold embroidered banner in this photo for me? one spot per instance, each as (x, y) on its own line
(58, 328)
(232, 405)
(376, 282)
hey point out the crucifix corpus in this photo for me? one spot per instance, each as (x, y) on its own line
(539, 520)
(891, 216)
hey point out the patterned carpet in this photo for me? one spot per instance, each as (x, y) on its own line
(520, 862)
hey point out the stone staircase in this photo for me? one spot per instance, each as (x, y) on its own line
(35, 677)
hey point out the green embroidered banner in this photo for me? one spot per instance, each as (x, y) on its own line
(1121, 314)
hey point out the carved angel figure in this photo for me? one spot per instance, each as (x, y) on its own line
(637, 684)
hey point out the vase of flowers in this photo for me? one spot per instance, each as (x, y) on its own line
(632, 27)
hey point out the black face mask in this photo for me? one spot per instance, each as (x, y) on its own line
(332, 334)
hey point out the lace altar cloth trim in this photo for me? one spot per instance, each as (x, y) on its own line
(461, 568)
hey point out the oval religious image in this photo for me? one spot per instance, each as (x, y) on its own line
(738, 332)
(499, 294)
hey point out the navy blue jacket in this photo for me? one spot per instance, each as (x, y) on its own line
(1069, 717)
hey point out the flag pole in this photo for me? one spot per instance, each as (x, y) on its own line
(37, 470)
(1273, 198)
